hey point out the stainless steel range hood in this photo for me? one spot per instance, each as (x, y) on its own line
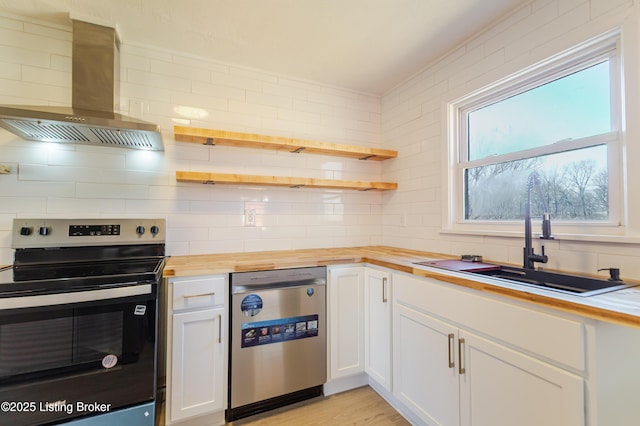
(91, 119)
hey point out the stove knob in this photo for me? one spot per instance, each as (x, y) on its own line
(25, 230)
(140, 230)
(44, 230)
(155, 229)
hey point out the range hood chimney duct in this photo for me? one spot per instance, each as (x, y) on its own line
(92, 119)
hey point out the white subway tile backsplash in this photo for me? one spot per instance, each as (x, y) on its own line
(18, 188)
(136, 62)
(6, 253)
(551, 30)
(22, 56)
(75, 155)
(83, 207)
(216, 207)
(245, 108)
(604, 7)
(268, 244)
(11, 24)
(6, 222)
(212, 247)
(143, 92)
(60, 63)
(179, 70)
(111, 190)
(278, 101)
(235, 80)
(10, 71)
(48, 31)
(252, 74)
(188, 220)
(157, 80)
(566, 5)
(298, 116)
(24, 40)
(22, 204)
(313, 107)
(279, 89)
(197, 62)
(187, 233)
(150, 207)
(228, 120)
(35, 93)
(40, 172)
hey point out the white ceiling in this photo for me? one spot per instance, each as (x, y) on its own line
(364, 45)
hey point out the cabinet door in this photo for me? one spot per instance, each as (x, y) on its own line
(501, 386)
(346, 321)
(425, 375)
(377, 323)
(197, 364)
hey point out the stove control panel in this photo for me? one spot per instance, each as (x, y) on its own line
(45, 233)
(91, 230)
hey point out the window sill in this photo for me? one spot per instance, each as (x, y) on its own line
(617, 239)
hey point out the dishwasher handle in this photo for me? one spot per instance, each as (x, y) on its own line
(252, 288)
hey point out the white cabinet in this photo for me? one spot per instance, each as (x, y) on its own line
(197, 348)
(424, 378)
(346, 321)
(452, 367)
(377, 326)
(501, 386)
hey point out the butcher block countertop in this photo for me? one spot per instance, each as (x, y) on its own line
(620, 307)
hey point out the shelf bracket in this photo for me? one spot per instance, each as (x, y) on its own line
(209, 142)
(298, 150)
(366, 189)
(209, 182)
(367, 157)
(297, 186)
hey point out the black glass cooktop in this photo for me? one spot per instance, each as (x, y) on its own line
(26, 280)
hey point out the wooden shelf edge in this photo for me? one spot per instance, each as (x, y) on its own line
(250, 140)
(291, 182)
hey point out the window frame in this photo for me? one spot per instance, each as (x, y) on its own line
(604, 47)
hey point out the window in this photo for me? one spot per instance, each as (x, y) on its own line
(560, 119)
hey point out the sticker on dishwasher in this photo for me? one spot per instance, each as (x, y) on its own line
(251, 305)
(278, 330)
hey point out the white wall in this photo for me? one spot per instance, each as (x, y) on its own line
(413, 116)
(86, 181)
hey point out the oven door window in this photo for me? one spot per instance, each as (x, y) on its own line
(69, 339)
(100, 351)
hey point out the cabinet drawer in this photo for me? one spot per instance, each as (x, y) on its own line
(199, 292)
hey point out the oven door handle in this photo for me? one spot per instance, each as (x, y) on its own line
(75, 296)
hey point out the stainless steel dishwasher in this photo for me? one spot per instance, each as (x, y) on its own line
(278, 339)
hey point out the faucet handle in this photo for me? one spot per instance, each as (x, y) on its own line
(540, 258)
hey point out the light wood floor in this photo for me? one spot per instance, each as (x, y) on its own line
(362, 406)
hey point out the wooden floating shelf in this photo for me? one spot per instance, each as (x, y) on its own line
(249, 140)
(291, 182)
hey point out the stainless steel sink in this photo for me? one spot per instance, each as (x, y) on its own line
(572, 284)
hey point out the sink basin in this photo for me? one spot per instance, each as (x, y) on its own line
(572, 284)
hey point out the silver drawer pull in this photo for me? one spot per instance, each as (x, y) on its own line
(384, 290)
(451, 360)
(186, 296)
(461, 368)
